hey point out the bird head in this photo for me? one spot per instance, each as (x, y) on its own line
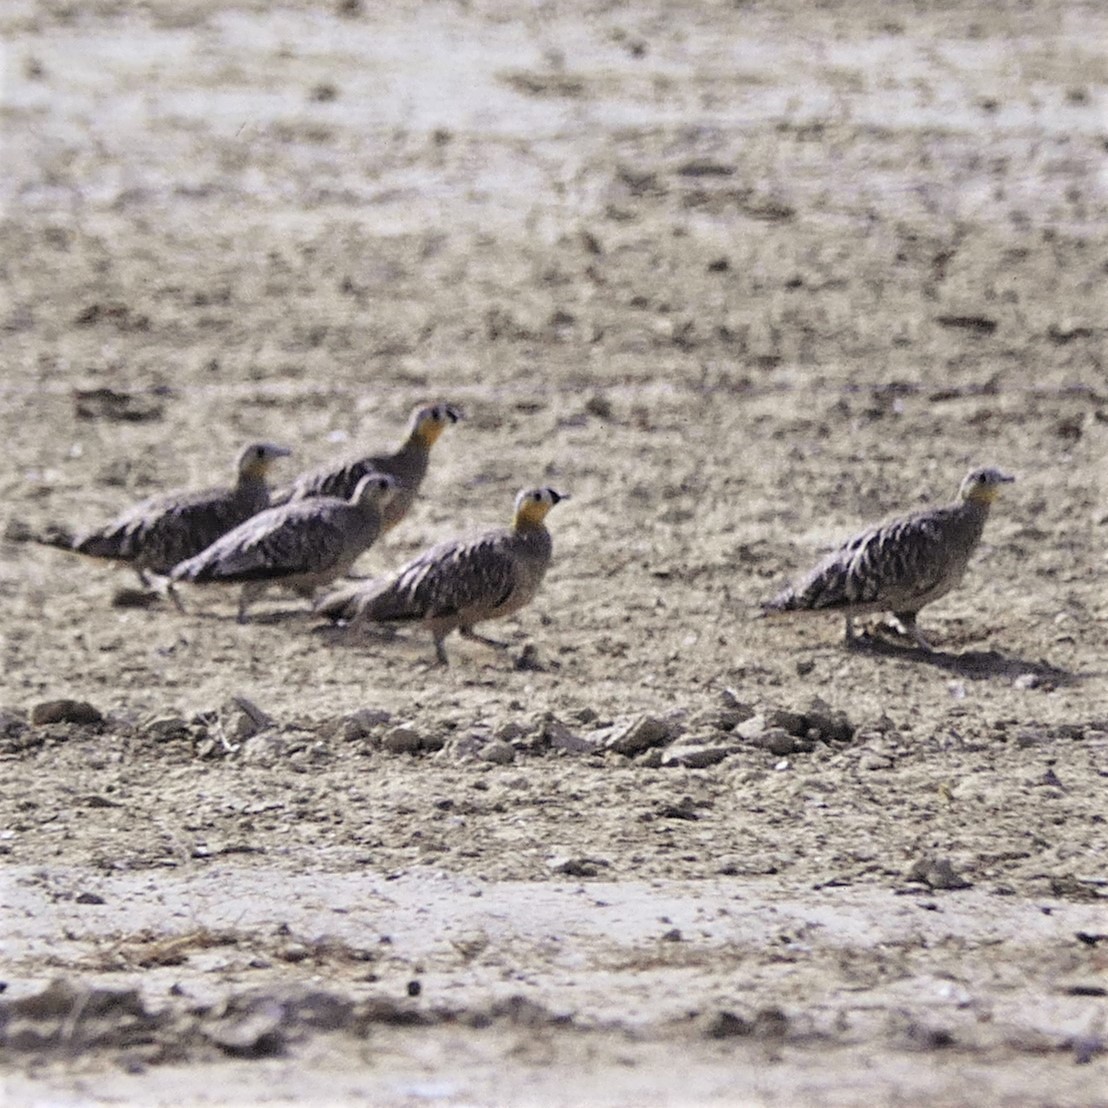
(533, 504)
(374, 488)
(430, 421)
(982, 486)
(254, 460)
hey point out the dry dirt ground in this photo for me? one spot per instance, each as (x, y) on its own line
(738, 277)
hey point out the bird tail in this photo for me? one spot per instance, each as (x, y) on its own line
(784, 601)
(343, 604)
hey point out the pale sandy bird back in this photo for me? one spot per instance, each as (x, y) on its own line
(302, 545)
(157, 533)
(408, 464)
(901, 565)
(457, 584)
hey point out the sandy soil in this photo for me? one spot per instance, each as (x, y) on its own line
(739, 279)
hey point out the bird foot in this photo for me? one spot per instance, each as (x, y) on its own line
(906, 628)
(496, 644)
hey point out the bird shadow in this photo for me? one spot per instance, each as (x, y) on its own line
(977, 665)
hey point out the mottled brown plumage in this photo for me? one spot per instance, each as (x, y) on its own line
(157, 533)
(408, 464)
(459, 583)
(901, 565)
(301, 545)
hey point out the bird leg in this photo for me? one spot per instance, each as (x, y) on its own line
(907, 621)
(469, 633)
(173, 595)
(440, 652)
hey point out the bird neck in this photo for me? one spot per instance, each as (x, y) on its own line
(983, 497)
(530, 517)
(421, 438)
(251, 476)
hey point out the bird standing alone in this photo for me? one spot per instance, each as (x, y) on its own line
(901, 565)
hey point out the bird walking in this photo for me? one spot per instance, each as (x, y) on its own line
(901, 565)
(461, 582)
(408, 464)
(157, 533)
(302, 545)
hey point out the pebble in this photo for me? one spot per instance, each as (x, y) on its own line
(937, 873)
(497, 752)
(241, 719)
(264, 750)
(165, 728)
(873, 762)
(787, 720)
(752, 727)
(65, 711)
(831, 723)
(364, 722)
(725, 1025)
(402, 740)
(575, 867)
(559, 737)
(636, 735)
(779, 741)
(256, 1035)
(696, 755)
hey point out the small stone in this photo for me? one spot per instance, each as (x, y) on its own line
(751, 728)
(255, 1035)
(778, 741)
(89, 898)
(264, 750)
(65, 711)
(673, 935)
(937, 873)
(402, 740)
(639, 734)
(498, 752)
(364, 722)
(725, 1025)
(294, 952)
(873, 762)
(832, 724)
(793, 722)
(649, 759)
(1027, 681)
(574, 867)
(165, 728)
(694, 755)
(770, 1023)
(599, 405)
(242, 719)
(513, 729)
(559, 737)
(731, 701)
